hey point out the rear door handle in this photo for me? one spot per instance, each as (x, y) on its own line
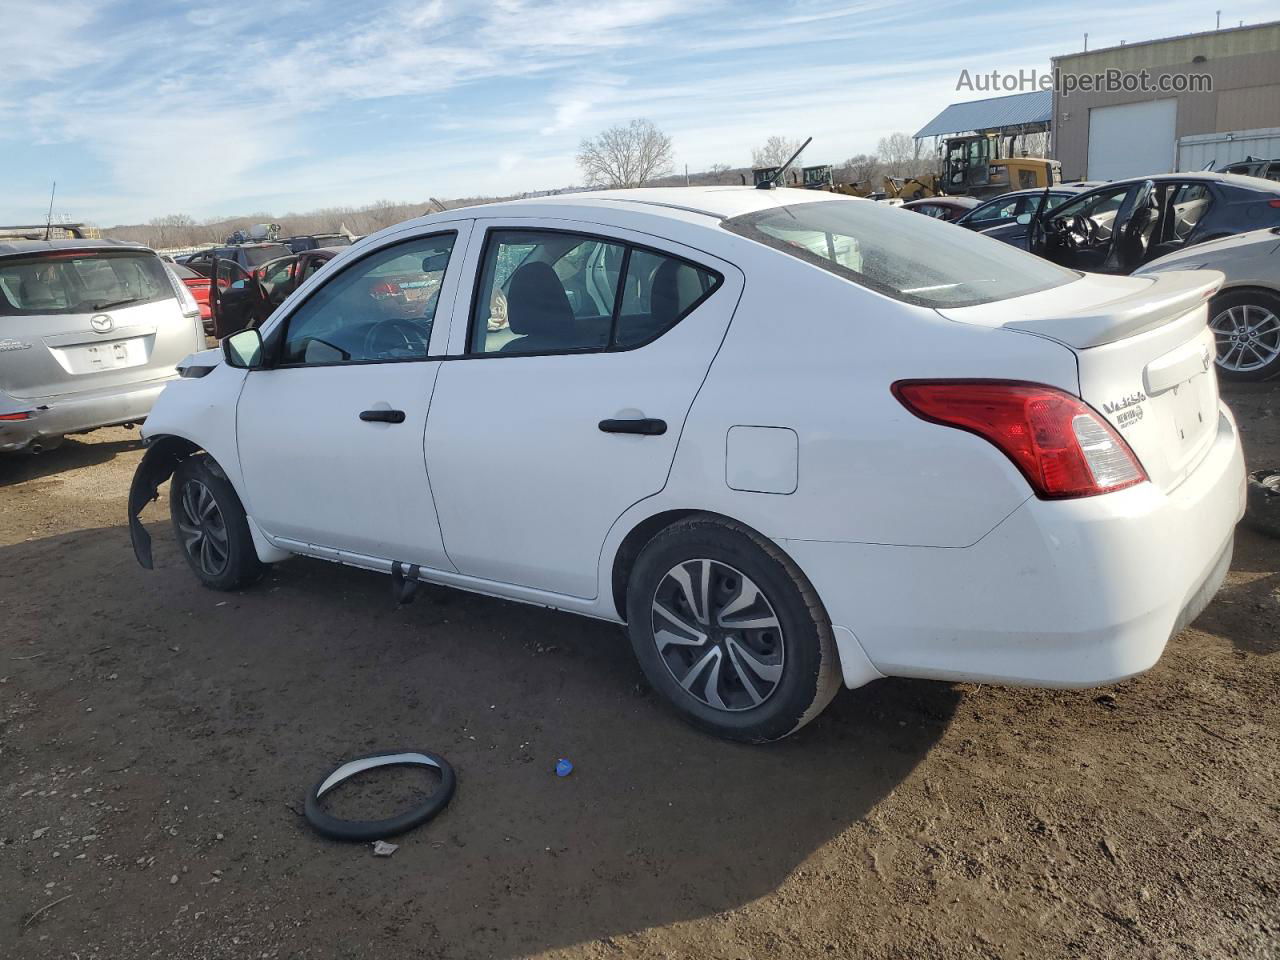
(382, 416)
(645, 426)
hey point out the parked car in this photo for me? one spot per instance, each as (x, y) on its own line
(199, 287)
(1005, 218)
(314, 241)
(247, 255)
(1118, 227)
(245, 298)
(1245, 314)
(942, 208)
(1254, 167)
(90, 332)
(700, 420)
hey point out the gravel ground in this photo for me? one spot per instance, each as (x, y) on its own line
(156, 740)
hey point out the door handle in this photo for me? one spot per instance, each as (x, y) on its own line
(382, 416)
(645, 426)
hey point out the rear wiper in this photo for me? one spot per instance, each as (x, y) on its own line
(116, 303)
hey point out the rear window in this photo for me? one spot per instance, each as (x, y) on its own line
(81, 281)
(900, 254)
(257, 256)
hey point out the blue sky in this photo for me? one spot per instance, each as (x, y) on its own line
(140, 108)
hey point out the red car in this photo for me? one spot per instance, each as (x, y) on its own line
(199, 287)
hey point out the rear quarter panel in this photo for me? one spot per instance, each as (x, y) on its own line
(817, 354)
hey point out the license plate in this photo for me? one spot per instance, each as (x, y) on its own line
(108, 356)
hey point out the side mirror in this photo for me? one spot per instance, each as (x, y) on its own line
(1023, 219)
(243, 350)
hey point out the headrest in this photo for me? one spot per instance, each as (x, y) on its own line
(536, 302)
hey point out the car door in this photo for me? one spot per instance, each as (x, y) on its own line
(1078, 233)
(576, 364)
(331, 433)
(235, 298)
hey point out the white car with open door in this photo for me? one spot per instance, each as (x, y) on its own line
(791, 439)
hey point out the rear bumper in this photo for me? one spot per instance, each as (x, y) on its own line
(77, 413)
(1069, 593)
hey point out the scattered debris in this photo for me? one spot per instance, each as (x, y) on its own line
(47, 906)
(563, 767)
(37, 834)
(383, 849)
(1110, 849)
(1106, 700)
(173, 879)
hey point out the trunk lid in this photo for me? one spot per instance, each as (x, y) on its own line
(52, 340)
(1145, 357)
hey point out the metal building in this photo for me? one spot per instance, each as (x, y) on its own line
(1128, 133)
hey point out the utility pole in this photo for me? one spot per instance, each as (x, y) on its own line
(48, 221)
(1086, 43)
(1217, 23)
(686, 174)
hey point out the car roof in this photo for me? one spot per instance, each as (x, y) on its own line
(716, 202)
(25, 248)
(1209, 176)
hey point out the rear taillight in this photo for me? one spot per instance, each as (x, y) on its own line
(185, 299)
(15, 416)
(1274, 203)
(1062, 446)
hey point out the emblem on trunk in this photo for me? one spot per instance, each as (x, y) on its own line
(1124, 403)
(101, 323)
(7, 345)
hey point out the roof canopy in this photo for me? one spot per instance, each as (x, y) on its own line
(994, 113)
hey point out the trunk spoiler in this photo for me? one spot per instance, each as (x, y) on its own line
(1171, 295)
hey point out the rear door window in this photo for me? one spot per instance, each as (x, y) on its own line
(552, 292)
(65, 282)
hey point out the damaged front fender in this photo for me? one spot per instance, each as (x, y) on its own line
(163, 455)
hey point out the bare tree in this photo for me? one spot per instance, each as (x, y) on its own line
(860, 168)
(898, 154)
(171, 230)
(775, 152)
(625, 156)
(721, 173)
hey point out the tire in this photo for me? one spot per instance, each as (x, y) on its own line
(210, 525)
(750, 683)
(1263, 510)
(1246, 325)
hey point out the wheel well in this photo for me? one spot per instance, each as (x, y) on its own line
(1247, 288)
(630, 548)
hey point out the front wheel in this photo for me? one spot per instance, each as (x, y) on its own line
(1246, 326)
(211, 527)
(730, 631)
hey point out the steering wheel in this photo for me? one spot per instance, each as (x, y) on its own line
(1083, 232)
(386, 337)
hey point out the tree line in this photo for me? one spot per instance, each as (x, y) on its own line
(627, 155)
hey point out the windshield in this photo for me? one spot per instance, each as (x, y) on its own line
(905, 256)
(257, 256)
(81, 281)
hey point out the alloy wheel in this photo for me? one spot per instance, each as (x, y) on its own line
(203, 529)
(1248, 337)
(718, 635)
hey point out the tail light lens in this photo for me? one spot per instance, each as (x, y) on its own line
(14, 416)
(1062, 445)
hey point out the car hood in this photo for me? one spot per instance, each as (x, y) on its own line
(1251, 244)
(204, 358)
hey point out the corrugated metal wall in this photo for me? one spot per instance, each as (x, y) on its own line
(1197, 150)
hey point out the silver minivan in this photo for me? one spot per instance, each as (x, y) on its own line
(90, 333)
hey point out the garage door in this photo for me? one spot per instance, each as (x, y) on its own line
(1132, 139)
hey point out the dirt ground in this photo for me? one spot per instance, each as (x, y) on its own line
(157, 739)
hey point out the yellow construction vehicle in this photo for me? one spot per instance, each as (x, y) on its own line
(977, 166)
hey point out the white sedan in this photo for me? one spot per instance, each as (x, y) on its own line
(790, 439)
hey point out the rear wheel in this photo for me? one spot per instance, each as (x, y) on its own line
(1246, 326)
(211, 527)
(730, 631)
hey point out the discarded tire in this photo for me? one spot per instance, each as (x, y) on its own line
(1263, 511)
(364, 831)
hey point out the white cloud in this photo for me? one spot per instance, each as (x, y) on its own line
(209, 109)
